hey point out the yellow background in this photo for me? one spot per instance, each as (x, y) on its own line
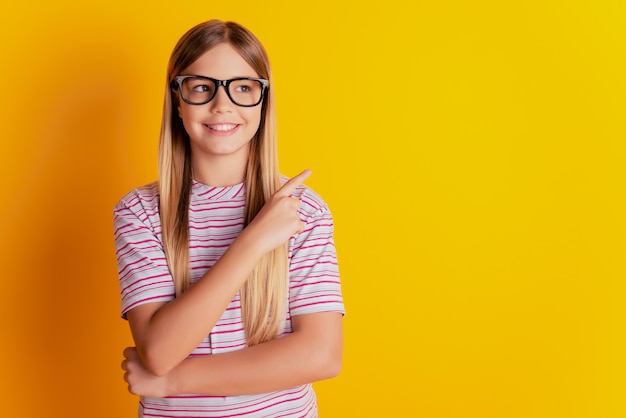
(472, 153)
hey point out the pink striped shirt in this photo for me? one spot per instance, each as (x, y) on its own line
(215, 220)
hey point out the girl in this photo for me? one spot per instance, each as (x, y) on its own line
(228, 273)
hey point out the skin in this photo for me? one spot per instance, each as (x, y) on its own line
(158, 366)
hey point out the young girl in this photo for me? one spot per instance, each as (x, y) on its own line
(228, 272)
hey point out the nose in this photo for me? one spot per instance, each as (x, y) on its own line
(221, 102)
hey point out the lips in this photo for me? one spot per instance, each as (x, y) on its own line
(222, 127)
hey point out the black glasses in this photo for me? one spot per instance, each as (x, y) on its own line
(199, 90)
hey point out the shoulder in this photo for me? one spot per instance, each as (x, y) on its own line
(140, 200)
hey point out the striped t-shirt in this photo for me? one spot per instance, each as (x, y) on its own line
(216, 216)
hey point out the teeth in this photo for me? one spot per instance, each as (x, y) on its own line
(223, 127)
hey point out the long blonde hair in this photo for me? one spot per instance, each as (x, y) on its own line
(264, 294)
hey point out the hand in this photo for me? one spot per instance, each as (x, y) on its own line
(140, 381)
(278, 220)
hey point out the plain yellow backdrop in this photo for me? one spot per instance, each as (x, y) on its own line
(472, 153)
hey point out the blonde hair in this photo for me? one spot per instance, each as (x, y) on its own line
(264, 294)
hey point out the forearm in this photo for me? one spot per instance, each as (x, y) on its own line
(296, 359)
(176, 329)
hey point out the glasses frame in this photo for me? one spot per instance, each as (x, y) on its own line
(177, 83)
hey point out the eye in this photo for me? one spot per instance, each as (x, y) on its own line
(243, 89)
(245, 86)
(201, 88)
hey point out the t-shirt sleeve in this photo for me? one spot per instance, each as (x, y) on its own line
(314, 284)
(142, 268)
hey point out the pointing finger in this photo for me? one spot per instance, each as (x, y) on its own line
(294, 182)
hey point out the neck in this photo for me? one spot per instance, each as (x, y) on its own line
(219, 171)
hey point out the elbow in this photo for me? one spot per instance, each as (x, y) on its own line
(321, 340)
(331, 370)
(334, 366)
(329, 365)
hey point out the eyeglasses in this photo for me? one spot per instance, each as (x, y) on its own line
(199, 90)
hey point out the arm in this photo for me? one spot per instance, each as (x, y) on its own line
(312, 352)
(161, 340)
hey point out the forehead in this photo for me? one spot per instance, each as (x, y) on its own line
(222, 62)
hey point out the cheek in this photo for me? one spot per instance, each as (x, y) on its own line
(189, 114)
(254, 119)
(187, 118)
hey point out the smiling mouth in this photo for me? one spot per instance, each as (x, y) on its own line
(222, 127)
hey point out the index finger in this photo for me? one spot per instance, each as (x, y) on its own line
(129, 351)
(294, 182)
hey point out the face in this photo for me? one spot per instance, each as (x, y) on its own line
(220, 129)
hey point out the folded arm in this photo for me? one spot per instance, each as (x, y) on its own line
(312, 352)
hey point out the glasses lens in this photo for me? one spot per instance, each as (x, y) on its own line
(245, 92)
(198, 90)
